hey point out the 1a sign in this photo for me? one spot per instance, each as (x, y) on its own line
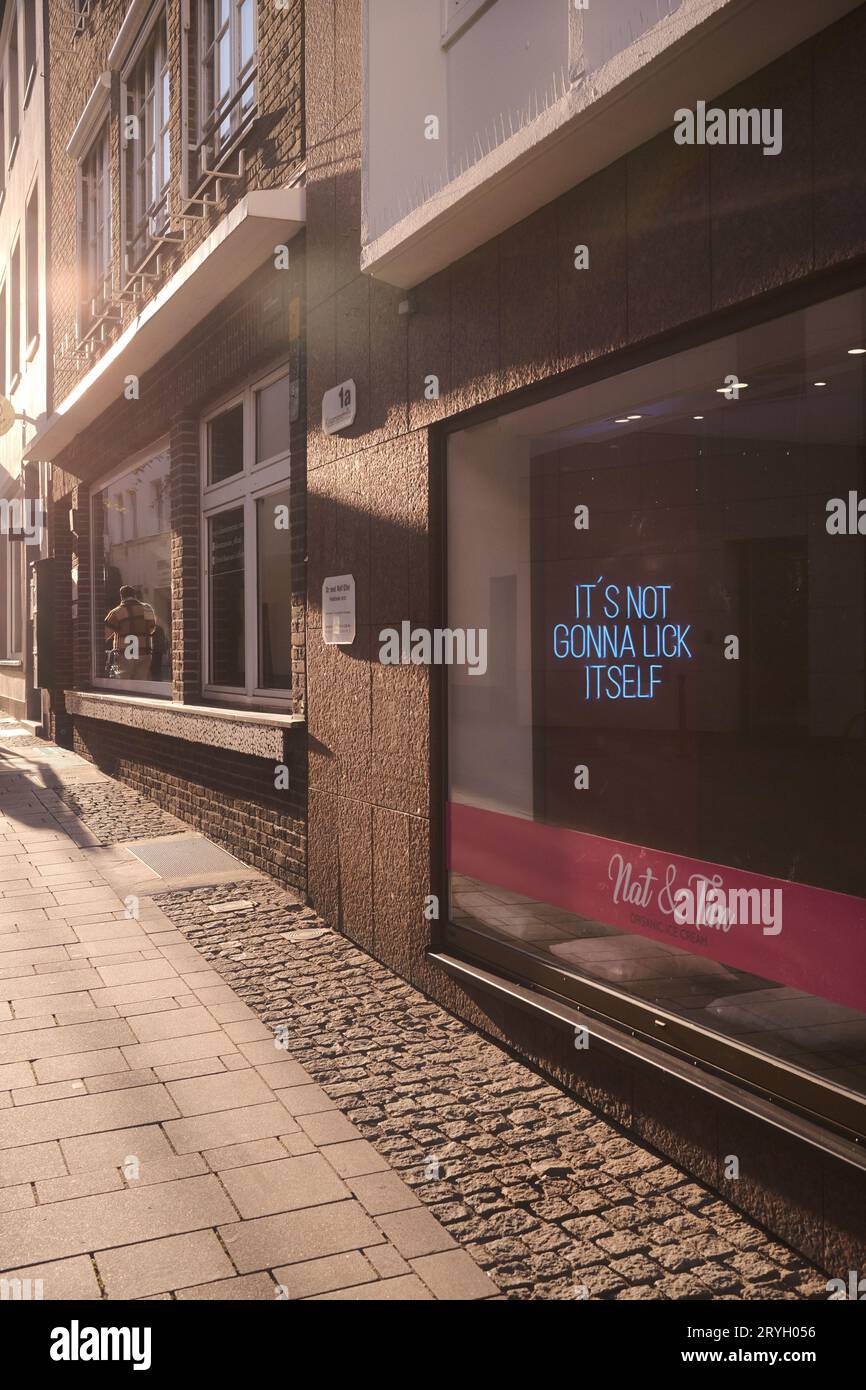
(338, 610)
(338, 407)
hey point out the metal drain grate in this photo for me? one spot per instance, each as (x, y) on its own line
(183, 857)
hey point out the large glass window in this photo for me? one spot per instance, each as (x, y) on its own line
(147, 139)
(246, 506)
(228, 72)
(132, 577)
(657, 776)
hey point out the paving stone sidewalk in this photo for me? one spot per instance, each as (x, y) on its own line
(154, 1141)
(452, 1157)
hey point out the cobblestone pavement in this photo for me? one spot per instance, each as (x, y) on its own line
(114, 813)
(554, 1202)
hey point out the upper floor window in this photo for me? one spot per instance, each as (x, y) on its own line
(15, 316)
(227, 30)
(147, 143)
(3, 341)
(12, 88)
(95, 253)
(31, 272)
(29, 48)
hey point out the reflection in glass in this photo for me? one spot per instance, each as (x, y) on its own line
(668, 611)
(226, 445)
(275, 591)
(226, 599)
(132, 549)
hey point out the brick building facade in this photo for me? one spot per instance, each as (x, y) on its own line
(117, 402)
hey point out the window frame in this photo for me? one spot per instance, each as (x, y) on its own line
(119, 687)
(139, 227)
(12, 87)
(12, 573)
(89, 277)
(32, 301)
(242, 78)
(243, 489)
(13, 367)
(30, 52)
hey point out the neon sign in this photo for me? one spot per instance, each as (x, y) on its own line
(628, 626)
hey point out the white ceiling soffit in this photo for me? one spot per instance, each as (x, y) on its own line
(240, 243)
(700, 51)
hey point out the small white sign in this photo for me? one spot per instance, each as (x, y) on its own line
(338, 610)
(338, 407)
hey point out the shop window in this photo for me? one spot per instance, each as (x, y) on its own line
(132, 578)
(147, 144)
(11, 598)
(31, 270)
(246, 511)
(227, 63)
(670, 571)
(95, 243)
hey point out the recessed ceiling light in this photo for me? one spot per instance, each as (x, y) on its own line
(697, 417)
(819, 383)
(635, 417)
(621, 420)
(856, 352)
(734, 386)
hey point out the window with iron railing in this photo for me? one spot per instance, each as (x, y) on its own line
(227, 63)
(95, 243)
(147, 145)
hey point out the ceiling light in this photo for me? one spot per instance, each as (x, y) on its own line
(819, 383)
(635, 417)
(621, 420)
(856, 352)
(735, 386)
(697, 417)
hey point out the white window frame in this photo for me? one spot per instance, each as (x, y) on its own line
(149, 217)
(119, 687)
(32, 286)
(95, 283)
(244, 489)
(211, 149)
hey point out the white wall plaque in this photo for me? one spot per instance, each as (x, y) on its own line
(338, 610)
(338, 407)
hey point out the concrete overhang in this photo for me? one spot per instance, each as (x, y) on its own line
(698, 52)
(241, 242)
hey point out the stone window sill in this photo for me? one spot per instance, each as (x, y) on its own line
(261, 735)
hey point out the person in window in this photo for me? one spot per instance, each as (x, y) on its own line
(131, 625)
